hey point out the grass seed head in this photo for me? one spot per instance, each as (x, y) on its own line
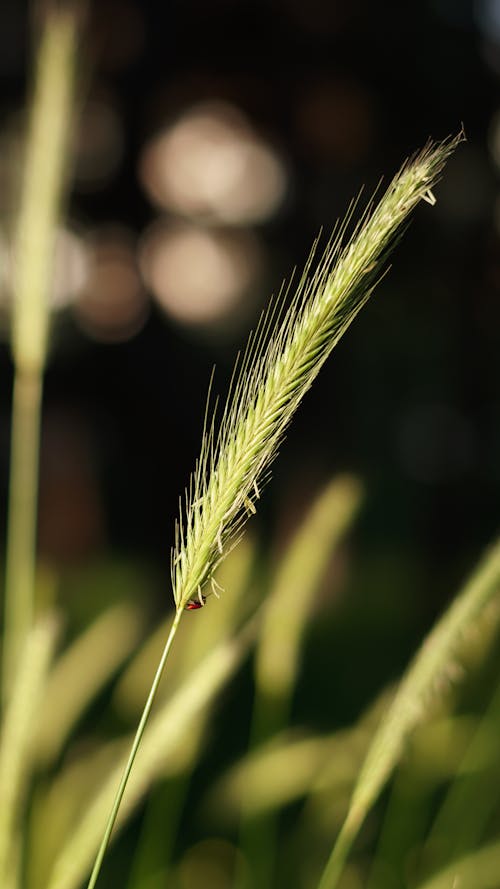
(282, 358)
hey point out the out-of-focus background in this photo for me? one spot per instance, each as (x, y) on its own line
(215, 140)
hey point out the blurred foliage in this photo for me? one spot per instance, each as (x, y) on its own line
(443, 802)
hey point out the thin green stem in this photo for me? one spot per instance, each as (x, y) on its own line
(22, 516)
(133, 752)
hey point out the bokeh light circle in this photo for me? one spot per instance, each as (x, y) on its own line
(209, 164)
(198, 275)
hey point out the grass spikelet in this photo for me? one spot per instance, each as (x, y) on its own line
(282, 359)
(427, 679)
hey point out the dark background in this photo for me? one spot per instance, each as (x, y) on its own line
(343, 92)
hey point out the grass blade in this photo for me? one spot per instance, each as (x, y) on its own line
(478, 870)
(81, 671)
(41, 197)
(16, 745)
(286, 616)
(292, 595)
(428, 676)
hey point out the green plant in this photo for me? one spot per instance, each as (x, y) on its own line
(40, 207)
(69, 804)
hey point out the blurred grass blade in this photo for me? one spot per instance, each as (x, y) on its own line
(478, 870)
(80, 673)
(162, 740)
(41, 197)
(292, 596)
(288, 767)
(473, 795)
(43, 185)
(286, 616)
(16, 743)
(59, 800)
(195, 639)
(276, 774)
(427, 679)
(156, 850)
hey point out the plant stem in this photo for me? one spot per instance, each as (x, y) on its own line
(133, 752)
(16, 743)
(34, 244)
(21, 533)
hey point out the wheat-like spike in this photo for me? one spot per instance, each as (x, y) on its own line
(283, 357)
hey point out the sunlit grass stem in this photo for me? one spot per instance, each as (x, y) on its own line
(22, 512)
(16, 743)
(40, 202)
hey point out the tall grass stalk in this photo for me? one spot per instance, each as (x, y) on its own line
(40, 202)
(434, 666)
(282, 359)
